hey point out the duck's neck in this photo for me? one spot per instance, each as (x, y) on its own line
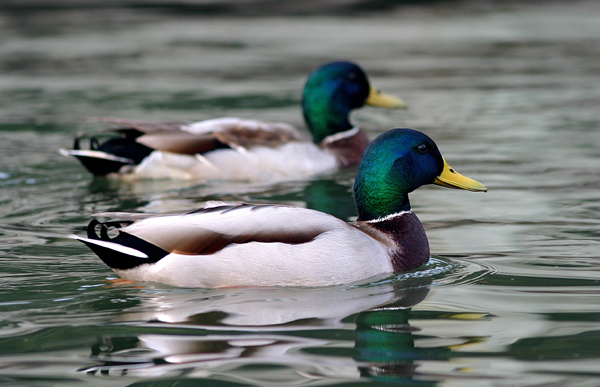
(410, 247)
(324, 117)
(347, 146)
(379, 198)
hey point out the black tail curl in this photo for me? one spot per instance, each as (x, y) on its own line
(123, 145)
(92, 231)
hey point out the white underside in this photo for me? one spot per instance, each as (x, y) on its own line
(321, 262)
(290, 161)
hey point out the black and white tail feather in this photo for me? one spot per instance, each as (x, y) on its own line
(123, 251)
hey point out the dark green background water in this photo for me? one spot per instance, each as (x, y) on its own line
(509, 91)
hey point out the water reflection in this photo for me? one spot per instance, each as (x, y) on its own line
(299, 335)
(329, 195)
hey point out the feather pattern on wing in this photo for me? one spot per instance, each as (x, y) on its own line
(203, 136)
(208, 230)
(238, 132)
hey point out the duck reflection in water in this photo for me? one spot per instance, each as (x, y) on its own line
(269, 336)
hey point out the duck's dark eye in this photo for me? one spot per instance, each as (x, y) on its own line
(423, 148)
(352, 76)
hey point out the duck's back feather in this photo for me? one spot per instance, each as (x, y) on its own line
(208, 230)
(246, 133)
(203, 136)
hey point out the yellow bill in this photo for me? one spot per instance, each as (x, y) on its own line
(452, 179)
(379, 99)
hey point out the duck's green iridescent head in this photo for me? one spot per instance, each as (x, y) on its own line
(332, 91)
(398, 162)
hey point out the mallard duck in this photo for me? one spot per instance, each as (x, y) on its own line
(247, 150)
(224, 245)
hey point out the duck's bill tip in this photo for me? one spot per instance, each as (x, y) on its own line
(451, 179)
(380, 99)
